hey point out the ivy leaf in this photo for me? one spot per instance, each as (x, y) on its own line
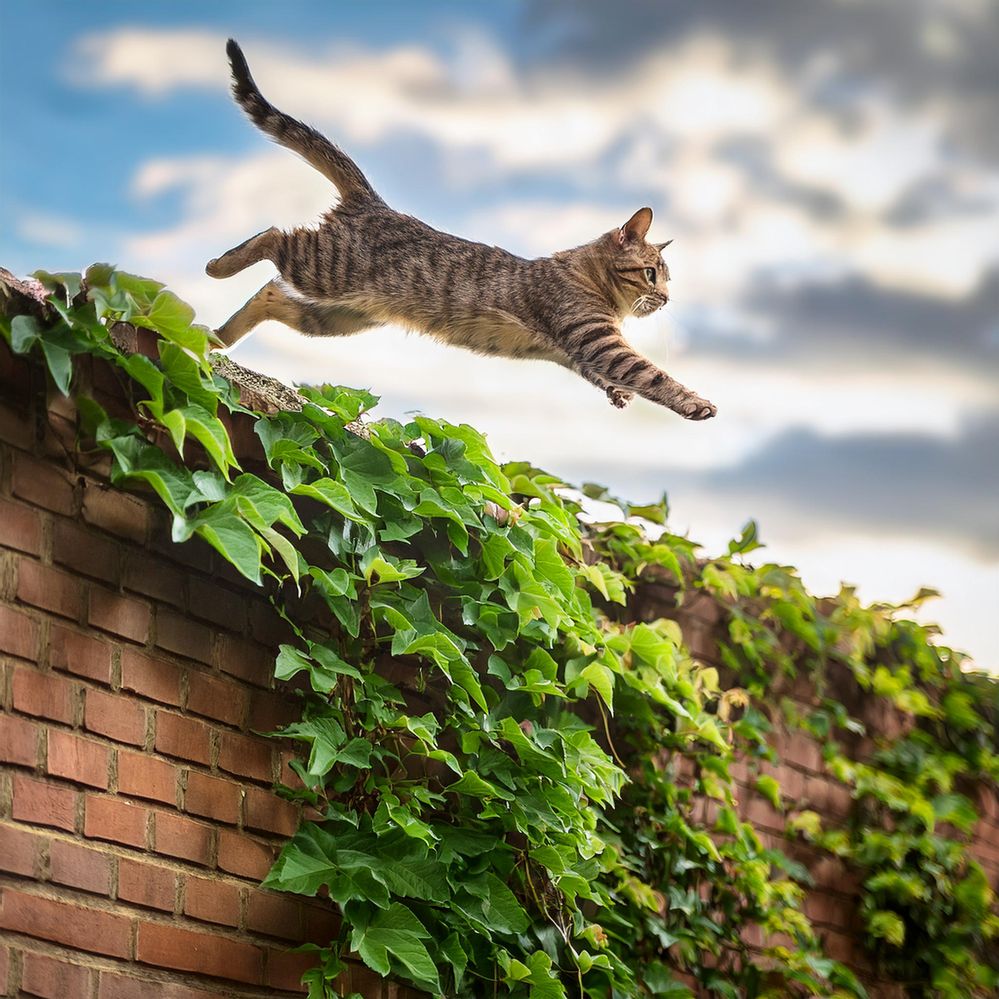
(452, 951)
(59, 362)
(887, 926)
(24, 333)
(601, 679)
(550, 566)
(770, 789)
(384, 568)
(287, 551)
(233, 539)
(142, 370)
(747, 541)
(66, 285)
(543, 980)
(135, 459)
(474, 785)
(172, 318)
(186, 374)
(212, 436)
(334, 494)
(175, 423)
(955, 809)
(395, 937)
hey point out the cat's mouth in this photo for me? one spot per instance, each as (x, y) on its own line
(648, 304)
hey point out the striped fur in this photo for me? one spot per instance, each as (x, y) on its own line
(367, 265)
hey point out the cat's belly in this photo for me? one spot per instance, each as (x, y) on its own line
(489, 331)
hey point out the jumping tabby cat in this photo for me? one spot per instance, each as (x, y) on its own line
(366, 265)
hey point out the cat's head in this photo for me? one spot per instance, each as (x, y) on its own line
(640, 277)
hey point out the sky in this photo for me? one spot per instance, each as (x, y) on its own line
(829, 172)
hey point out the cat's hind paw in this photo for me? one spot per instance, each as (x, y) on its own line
(697, 408)
(619, 397)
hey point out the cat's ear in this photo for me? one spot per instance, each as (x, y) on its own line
(662, 246)
(634, 230)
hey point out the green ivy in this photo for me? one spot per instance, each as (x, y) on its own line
(559, 817)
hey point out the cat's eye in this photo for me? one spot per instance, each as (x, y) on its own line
(650, 273)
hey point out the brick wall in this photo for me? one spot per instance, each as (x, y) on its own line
(832, 904)
(136, 812)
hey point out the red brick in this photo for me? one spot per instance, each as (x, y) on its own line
(51, 589)
(44, 804)
(267, 626)
(247, 755)
(831, 911)
(322, 924)
(212, 602)
(239, 854)
(80, 867)
(285, 970)
(179, 836)
(45, 976)
(114, 986)
(41, 483)
(212, 900)
(143, 776)
(18, 741)
(803, 751)
(76, 926)
(147, 884)
(187, 738)
(17, 850)
(115, 512)
(827, 795)
(156, 679)
(154, 577)
(81, 760)
(196, 554)
(275, 915)
(119, 614)
(14, 428)
(80, 654)
(248, 660)
(114, 820)
(761, 815)
(213, 797)
(179, 634)
(271, 710)
(285, 774)
(170, 947)
(263, 810)
(18, 633)
(222, 700)
(46, 695)
(84, 551)
(20, 527)
(115, 717)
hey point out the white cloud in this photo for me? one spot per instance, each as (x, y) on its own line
(59, 232)
(884, 569)
(662, 118)
(475, 100)
(656, 126)
(225, 200)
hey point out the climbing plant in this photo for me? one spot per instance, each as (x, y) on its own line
(514, 788)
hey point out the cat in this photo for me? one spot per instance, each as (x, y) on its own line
(367, 265)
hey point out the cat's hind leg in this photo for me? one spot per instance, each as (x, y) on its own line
(263, 246)
(275, 301)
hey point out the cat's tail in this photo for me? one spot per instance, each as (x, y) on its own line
(313, 147)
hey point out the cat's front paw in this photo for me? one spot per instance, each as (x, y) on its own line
(696, 408)
(619, 397)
